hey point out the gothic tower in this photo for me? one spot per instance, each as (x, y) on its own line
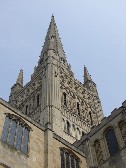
(54, 96)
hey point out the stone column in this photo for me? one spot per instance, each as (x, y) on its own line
(119, 137)
(48, 147)
(104, 149)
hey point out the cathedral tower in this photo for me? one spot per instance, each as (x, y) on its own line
(54, 97)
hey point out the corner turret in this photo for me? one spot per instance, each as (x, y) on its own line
(16, 88)
(92, 88)
(87, 76)
(20, 78)
(88, 82)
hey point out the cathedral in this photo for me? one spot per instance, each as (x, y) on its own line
(56, 121)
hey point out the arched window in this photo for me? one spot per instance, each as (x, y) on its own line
(111, 141)
(68, 127)
(91, 118)
(26, 110)
(38, 101)
(64, 99)
(16, 133)
(98, 151)
(122, 126)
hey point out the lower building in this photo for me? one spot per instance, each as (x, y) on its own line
(26, 144)
(105, 145)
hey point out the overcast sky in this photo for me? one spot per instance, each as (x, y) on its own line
(93, 33)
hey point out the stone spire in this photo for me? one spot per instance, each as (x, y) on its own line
(52, 40)
(20, 78)
(87, 76)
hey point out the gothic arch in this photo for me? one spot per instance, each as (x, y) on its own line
(18, 118)
(111, 141)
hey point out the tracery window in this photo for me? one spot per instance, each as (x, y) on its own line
(69, 159)
(122, 126)
(111, 141)
(16, 133)
(98, 151)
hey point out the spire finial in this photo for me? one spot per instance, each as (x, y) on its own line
(20, 78)
(52, 40)
(52, 16)
(87, 76)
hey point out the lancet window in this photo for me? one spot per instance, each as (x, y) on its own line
(68, 127)
(111, 141)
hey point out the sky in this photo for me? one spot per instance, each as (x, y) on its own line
(93, 33)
